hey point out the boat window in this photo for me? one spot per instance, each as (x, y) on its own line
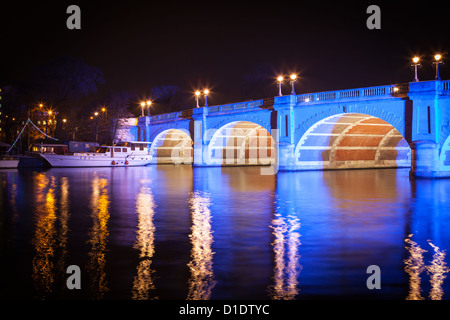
(100, 150)
(108, 150)
(124, 149)
(117, 150)
(141, 147)
(132, 147)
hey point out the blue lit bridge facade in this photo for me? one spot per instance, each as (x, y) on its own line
(404, 125)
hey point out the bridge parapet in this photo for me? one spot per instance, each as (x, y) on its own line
(225, 108)
(235, 106)
(382, 92)
(445, 86)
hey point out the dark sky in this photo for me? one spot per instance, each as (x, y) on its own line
(218, 44)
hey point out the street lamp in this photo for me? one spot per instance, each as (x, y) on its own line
(197, 96)
(49, 113)
(416, 64)
(149, 103)
(293, 78)
(142, 108)
(206, 92)
(437, 61)
(280, 82)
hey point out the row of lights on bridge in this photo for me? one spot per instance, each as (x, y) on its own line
(205, 93)
(198, 94)
(293, 77)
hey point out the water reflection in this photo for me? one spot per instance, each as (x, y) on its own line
(202, 280)
(415, 265)
(437, 270)
(99, 237)
(145, 207)
(64, 224)
(45, 235)
(286, 255)
(238, 237)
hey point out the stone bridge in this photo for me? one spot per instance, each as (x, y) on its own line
(404, 125)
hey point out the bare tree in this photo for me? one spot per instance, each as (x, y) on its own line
(65, 83)
(168, 98)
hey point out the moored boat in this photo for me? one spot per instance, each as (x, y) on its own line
(126, 154)
(8, 162)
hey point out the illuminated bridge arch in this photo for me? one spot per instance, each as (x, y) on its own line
(444, 158)
(241, 143)
(352, 140)
(172, 146)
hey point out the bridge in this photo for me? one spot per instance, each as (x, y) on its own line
(399, 125)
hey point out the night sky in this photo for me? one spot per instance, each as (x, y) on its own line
(220, 44)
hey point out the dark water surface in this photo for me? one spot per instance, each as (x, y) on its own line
(177, 232)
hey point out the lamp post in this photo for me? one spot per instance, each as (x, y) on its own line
(142, 108)
(280, 82)
(293, 78)
(148, 103)
(206, 92)
(437, 61)
(416, 64)
(49, 113)
(197, 97)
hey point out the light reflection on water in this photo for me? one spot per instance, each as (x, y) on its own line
(202, 280)
(177, 232)
(415, 265)
(145, 242)
(45, 235)
(98, 237)
(286, 255)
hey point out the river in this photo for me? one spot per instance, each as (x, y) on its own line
(178, 232)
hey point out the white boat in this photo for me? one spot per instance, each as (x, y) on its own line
(125, 155)
(8, 163)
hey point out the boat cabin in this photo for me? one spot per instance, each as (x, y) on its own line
(122, 149)
(49, 148)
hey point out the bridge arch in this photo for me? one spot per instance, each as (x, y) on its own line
(241, 143)
(352, 140)
(385, 112)
(172, 146)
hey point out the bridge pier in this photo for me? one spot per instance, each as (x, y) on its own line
(283, 131)
(198, 127)
(429, 117)
(424, 159)
(143, 129)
